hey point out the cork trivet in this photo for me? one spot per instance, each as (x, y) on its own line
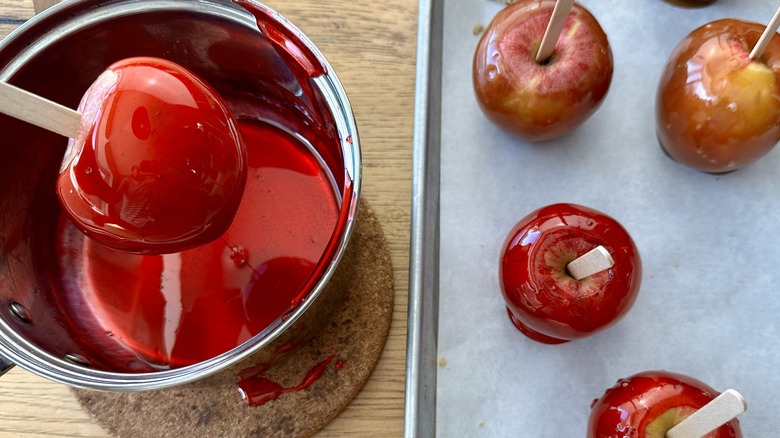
(348, 322)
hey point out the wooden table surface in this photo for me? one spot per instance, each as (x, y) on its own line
(371, 46)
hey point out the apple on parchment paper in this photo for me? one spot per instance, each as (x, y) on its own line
(716, 109)
(648, 404)
(544, 301)
(545, 100)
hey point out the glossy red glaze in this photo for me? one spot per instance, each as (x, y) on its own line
(178, 309)
(691, 3)
(543, 301)
(541, 101)
(716, 112)
(256, 389)
(625, 410)
(160, 165)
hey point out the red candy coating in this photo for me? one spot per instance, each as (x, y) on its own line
(163, 165)
(179, 309)
(543, 300)
(628, 408)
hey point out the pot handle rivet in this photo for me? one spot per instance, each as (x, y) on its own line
(77, 359)
(20, 312)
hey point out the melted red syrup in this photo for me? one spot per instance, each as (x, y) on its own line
(178, 309)
(255, 389)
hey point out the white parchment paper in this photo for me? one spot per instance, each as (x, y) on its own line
(710, 245)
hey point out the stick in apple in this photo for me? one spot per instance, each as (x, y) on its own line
(174, 224)
(34, 109)
(592, 262)
(763, 41)
(711, 416)
(554, 28)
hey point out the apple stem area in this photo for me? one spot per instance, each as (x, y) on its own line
(711, 416)
(766, 36)
(554, 27)
(592, 262)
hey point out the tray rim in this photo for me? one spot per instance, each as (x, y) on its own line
(423, 300)
(423, 291)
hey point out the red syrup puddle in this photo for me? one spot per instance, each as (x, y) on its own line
(256, 389)
(179, 309)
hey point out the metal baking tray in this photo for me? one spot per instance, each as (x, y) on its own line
(708, 243)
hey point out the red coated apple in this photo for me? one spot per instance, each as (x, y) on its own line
(158, 165)
(648, 404)
(543, 300)
(691, 3)
(541, 101)
(716, 109)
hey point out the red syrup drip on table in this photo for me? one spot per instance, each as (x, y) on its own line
(179, 309)
(256, 389)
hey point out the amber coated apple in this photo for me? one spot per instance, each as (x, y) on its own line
(541, 101)
(717, 110)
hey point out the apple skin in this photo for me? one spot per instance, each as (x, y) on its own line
(543, 301)
(627, 409)
(716, 110)
(541, 101)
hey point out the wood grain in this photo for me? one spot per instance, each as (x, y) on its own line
(371, 46)
(13, 13)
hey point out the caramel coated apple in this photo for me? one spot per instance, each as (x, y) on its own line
(717, 110)
(541, 100)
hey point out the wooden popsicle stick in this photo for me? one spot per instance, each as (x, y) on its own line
(769, 32)
(592, 262)
(711, 416)
(34, 109)
(554, 28)
(40, 5)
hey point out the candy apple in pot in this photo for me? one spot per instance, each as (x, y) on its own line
(718, 101)
(155, 163)
(653, 404)
(541, 97)
(159, 165)
(547, 295)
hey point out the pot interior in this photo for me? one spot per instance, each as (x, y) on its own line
(69, 298)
